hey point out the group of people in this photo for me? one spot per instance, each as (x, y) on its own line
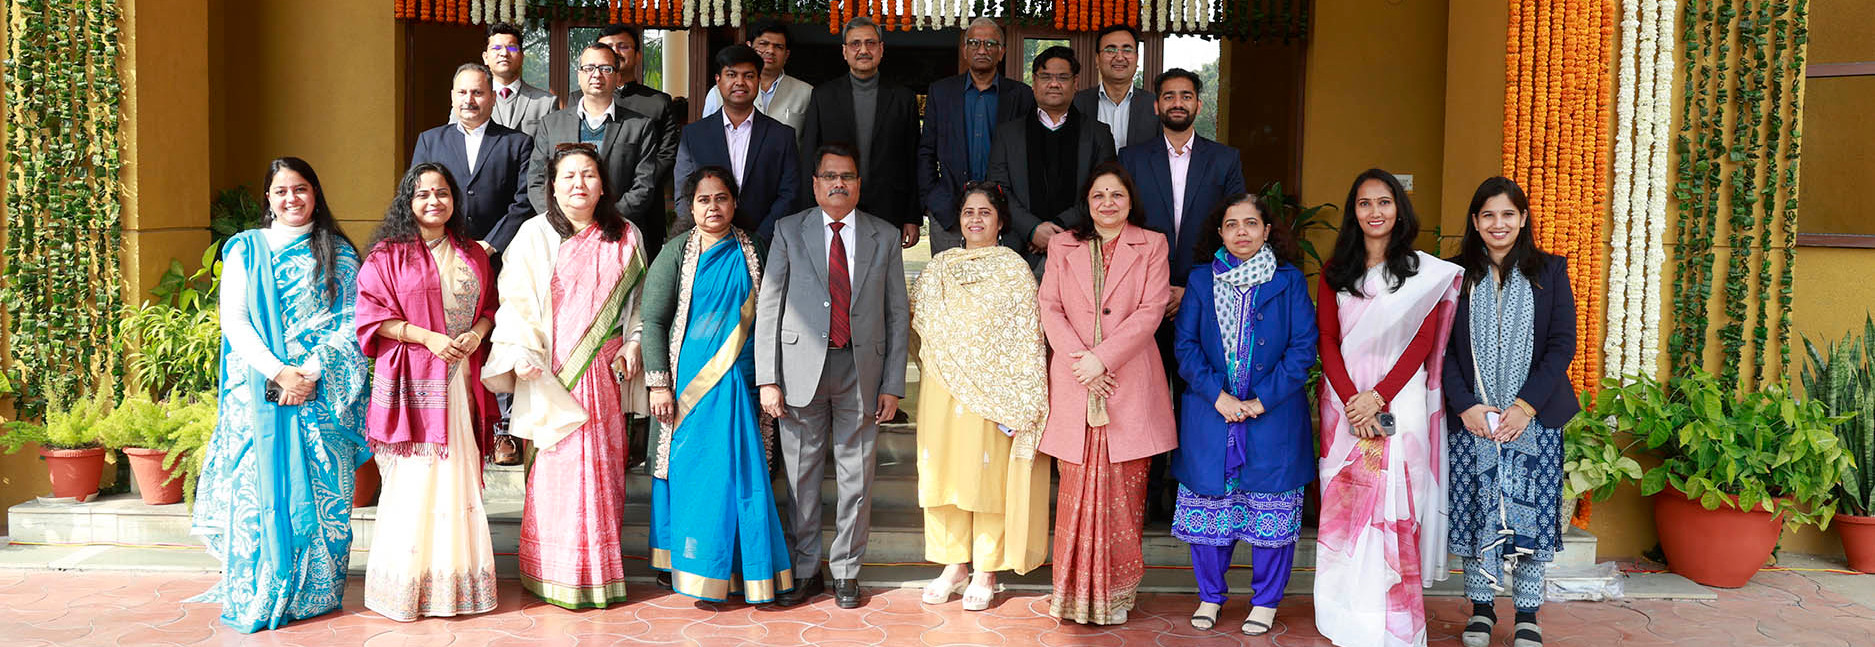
(1084, 244)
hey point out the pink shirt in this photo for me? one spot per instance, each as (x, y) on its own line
(1180, 161)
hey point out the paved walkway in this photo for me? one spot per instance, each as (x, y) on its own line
(72, 608)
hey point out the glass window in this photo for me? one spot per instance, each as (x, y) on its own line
(1200, 56)
(536, 44)
(577, 38)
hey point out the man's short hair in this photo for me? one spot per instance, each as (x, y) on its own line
(598, 47)
(1116, 28)
(981, 21)
(1158, 85)
(1052, 53)
(505, 28)
(771, 27)
(488, 77)
(734, 55)
(858, 23)
(841, 149)
(614, 29)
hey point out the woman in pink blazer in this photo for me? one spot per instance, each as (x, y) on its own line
(1109, 407)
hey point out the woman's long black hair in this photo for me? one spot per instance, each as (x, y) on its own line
(1524, 254)
(400, 222)
(611, 223)
(1135, 216)
(1279, 240)
(326, 235)
(1349, 262)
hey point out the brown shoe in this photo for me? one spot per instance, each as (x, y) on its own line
(507, 450)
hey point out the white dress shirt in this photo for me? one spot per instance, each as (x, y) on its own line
(472, 142)
(738, 137)
(846, 236)
(1115, 114)
(597, 121)
(514, 89)
(1180, 161)
(241, 335)
(1050, 122)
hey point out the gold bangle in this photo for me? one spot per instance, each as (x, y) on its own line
(1527, 409)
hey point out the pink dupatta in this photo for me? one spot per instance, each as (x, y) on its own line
(409, 386)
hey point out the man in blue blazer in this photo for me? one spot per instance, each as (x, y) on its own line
(960, 119)
(1180, 175)
(759, 150)
(490, 161)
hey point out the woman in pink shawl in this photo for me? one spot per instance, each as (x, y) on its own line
(566, 345)
(426, 302)
(1384, 310)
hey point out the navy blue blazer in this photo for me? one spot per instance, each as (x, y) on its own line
(494, 195)
(1216, 172)
(769, 176)
(944, 147)
(1281, 453)
(1547, 389)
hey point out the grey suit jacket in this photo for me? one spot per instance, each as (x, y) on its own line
(1009, 166)
(522, 110)
(1142, 123)
(791, 318)
(631, 165)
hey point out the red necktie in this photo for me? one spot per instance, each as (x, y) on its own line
(505, 92)
(840, 288)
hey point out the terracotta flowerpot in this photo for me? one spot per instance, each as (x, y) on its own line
(154, 482)
(1721, 548)
(75, 472)
(1858, 540)
(365, 484)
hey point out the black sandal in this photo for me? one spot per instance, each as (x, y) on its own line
(1528, 635)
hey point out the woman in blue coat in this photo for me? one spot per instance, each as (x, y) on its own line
(1245, 341)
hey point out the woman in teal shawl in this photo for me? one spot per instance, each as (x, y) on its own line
(275, 499)
(709, 458)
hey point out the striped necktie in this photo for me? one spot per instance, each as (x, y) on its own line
(840, 289)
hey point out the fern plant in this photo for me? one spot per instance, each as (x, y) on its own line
(1842, 377)
(72, 427)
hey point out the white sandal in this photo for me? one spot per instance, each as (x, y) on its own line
(977, 598)
(1261, 620)
(940, 596)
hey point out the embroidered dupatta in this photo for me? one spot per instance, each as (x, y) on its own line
(409, 387)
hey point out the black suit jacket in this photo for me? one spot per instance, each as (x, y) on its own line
(769, 176)
(642, 99)
(1009, 166)
(494, 193)
(1215, 173)
(1142, 123)
(944, 147)
(630, 166)
(1547, 389)
(888, 186)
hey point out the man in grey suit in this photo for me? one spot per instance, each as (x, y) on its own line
(830, 342)
(517, 105)
(634, 95)
(623, 138)
(1045, 157)
(1116, 102)
(777, 95)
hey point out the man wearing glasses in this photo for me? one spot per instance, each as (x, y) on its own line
(779, 96)
(624, 139)
(633, 95)
(880, 119)
(1125, 109)
(517, 104)
(961, 114)
(1045, 157)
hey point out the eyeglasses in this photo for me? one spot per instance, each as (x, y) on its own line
(1045, 77)
(978, 43)
(870, 43)
(511, 49)
(1115, 50)
(838, 177)
(602, 69)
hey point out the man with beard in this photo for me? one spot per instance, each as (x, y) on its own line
(1180, 176)
(777, 95)
(880, 119)
(961, 114)
(757, 149)
(1043, 158)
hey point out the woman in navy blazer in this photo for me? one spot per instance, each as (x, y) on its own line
(1508, 398)
(1244, 446)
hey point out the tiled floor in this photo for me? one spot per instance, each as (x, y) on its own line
(65, 608)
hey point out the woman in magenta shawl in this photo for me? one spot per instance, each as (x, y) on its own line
(426, 303)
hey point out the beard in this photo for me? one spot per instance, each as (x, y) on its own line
(1176, 124)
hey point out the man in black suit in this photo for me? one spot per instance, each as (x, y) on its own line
(756, 148)
(490, 161)
(1116, 102)
(961, 114)
(879, 119)
(634, 95)
(1045, 157)
(624, 139)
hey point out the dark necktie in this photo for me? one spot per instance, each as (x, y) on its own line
(505, 92)
(840, 289)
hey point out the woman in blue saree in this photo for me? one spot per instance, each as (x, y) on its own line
(709, 457)
(274, 503)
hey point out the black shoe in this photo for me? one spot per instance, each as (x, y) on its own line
(846, 593)
(803, 591)
(664, 580)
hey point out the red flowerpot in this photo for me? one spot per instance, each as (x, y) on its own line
(1858, 540)
(365, 484)
(154, 482)
(75, 472)
(1721, 548)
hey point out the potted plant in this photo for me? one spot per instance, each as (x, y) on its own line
(146, 432)
(1594, 462)
(1734, 470)
(1843, 379)
(68, 441)
(195, 419)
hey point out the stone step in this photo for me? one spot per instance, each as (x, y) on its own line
(897, 535)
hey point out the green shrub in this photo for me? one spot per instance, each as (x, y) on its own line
(1843, 379)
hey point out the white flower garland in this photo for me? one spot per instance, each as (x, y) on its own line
(1660, 121)
(1614, 344)
(1643, 117)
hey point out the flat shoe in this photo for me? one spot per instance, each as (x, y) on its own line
(1528, 634)
(1206, 615)
(1478, 631)
(977, 598)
